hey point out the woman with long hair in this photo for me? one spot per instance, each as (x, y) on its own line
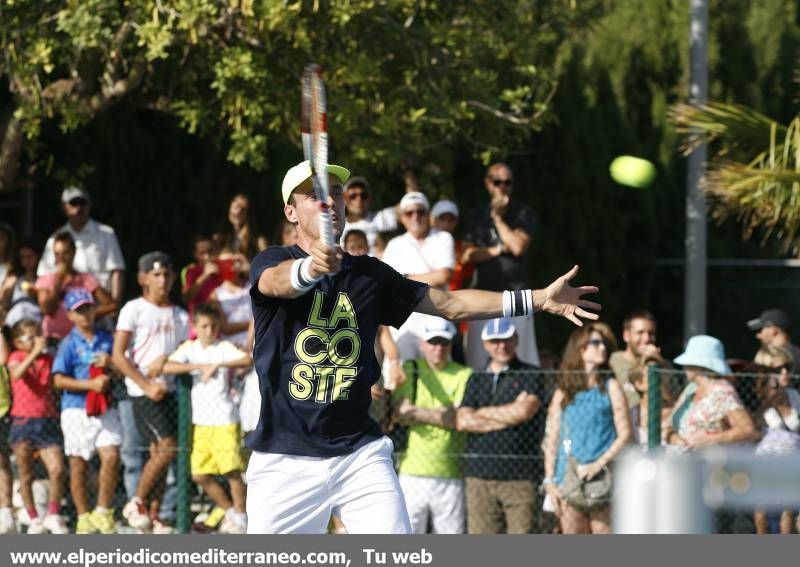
(587, 420)
(238, 233)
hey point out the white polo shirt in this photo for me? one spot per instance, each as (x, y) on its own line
(97, 252)
(408, 255)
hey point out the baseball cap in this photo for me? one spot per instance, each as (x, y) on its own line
(777, 317)
(154, 261)
(501, 328)
(443, 207)
(415, 198)
(302, 171)
(438, 327)
(357, 180)
(74, 192)
(76, 297)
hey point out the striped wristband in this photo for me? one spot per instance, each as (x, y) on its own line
(517, 303)
(300, 277)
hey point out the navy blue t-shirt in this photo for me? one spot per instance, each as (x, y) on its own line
(315, 354)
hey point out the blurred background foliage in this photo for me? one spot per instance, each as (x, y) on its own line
(165, 109)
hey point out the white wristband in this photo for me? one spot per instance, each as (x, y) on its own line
(300, 276)
(517, 303)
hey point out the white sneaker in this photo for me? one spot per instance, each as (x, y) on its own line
(55, 524)
(36, 527)
(228, 526)
(7, 523)
(136, 514)
(160, 528)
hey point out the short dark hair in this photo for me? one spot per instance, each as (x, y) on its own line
(203, 238)
(209, 310)
(355, 232)
(638, 314)
(66, 237)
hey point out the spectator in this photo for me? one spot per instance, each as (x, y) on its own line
(444, 216)
(358, 216)
(232, 297)
(639, 336)
(355, 242)
(89, 421)
(7, 251)
(500, 413)
(203, 276)
(216, 439)
(708, 411)
(587, 420)
(497, 242)
(637, 378)
(422, 254)
(34, 424)
(782, 359)
(7, 523)
(238, 234)
(772, 328)
(148, 330)
(286, 235)
(97, 251)
(779, 424)
(50, 288)
(19, 291)
(429, 470)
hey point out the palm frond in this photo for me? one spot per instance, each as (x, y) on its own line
(741, 131)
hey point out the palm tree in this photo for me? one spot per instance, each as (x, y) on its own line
(754, 174)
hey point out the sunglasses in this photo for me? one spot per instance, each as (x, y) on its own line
(78, 202)
(359, 195)
(439, 341)
(415, 212)
(502, 182)
(597, 342)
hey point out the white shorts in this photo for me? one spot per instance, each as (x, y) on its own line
(440, 499)
(288, 494)
(84, 434)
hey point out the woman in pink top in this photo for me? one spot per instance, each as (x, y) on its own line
(51, 288)
(34, 424)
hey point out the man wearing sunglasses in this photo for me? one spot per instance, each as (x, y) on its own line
(429, 470)
(97, 250)
(497, 242)
(772, 329)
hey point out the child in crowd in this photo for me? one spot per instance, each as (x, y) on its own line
(90, 425)
(355, 242)
(216, 440)
(148, 329)
(34, 424)
(7, 523)
(203, 276)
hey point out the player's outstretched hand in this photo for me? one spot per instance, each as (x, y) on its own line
(325, 259)
(565, 300)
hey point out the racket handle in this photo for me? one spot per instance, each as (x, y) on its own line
(326, 227)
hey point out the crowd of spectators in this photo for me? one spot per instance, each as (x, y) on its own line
(489, 437)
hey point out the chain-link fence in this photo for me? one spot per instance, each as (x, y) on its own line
(471, 447)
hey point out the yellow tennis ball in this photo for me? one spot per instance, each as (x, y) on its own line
(632, 171)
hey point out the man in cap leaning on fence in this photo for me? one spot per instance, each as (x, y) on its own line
(429, 470)
(772, 329)
(501, 414)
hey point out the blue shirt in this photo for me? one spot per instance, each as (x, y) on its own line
(315, 356)
(587, 426)
(74, 357)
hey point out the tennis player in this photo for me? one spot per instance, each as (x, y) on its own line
(316, 452)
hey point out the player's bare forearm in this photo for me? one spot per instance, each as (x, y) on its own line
(276, 281)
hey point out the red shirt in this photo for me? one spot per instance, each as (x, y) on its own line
(206, 288)
(32, 393)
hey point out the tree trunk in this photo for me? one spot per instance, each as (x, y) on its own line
(10, 150)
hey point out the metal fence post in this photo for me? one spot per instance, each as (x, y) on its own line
(653, 407)
(182, 522)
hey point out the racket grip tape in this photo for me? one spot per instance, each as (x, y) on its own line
(326, 227)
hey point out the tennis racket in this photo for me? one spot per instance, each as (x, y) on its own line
(314, 131)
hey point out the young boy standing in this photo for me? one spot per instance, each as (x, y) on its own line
(80, 367)
(216, 440)
(148, 329)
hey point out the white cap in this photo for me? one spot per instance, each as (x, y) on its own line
(415, 198)
(73, 192)
(302, 171)
(501, 328)
(438, 327)
(443, 207)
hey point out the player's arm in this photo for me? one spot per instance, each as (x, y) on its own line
(495, 418)
(288, 279)
(559, 298)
